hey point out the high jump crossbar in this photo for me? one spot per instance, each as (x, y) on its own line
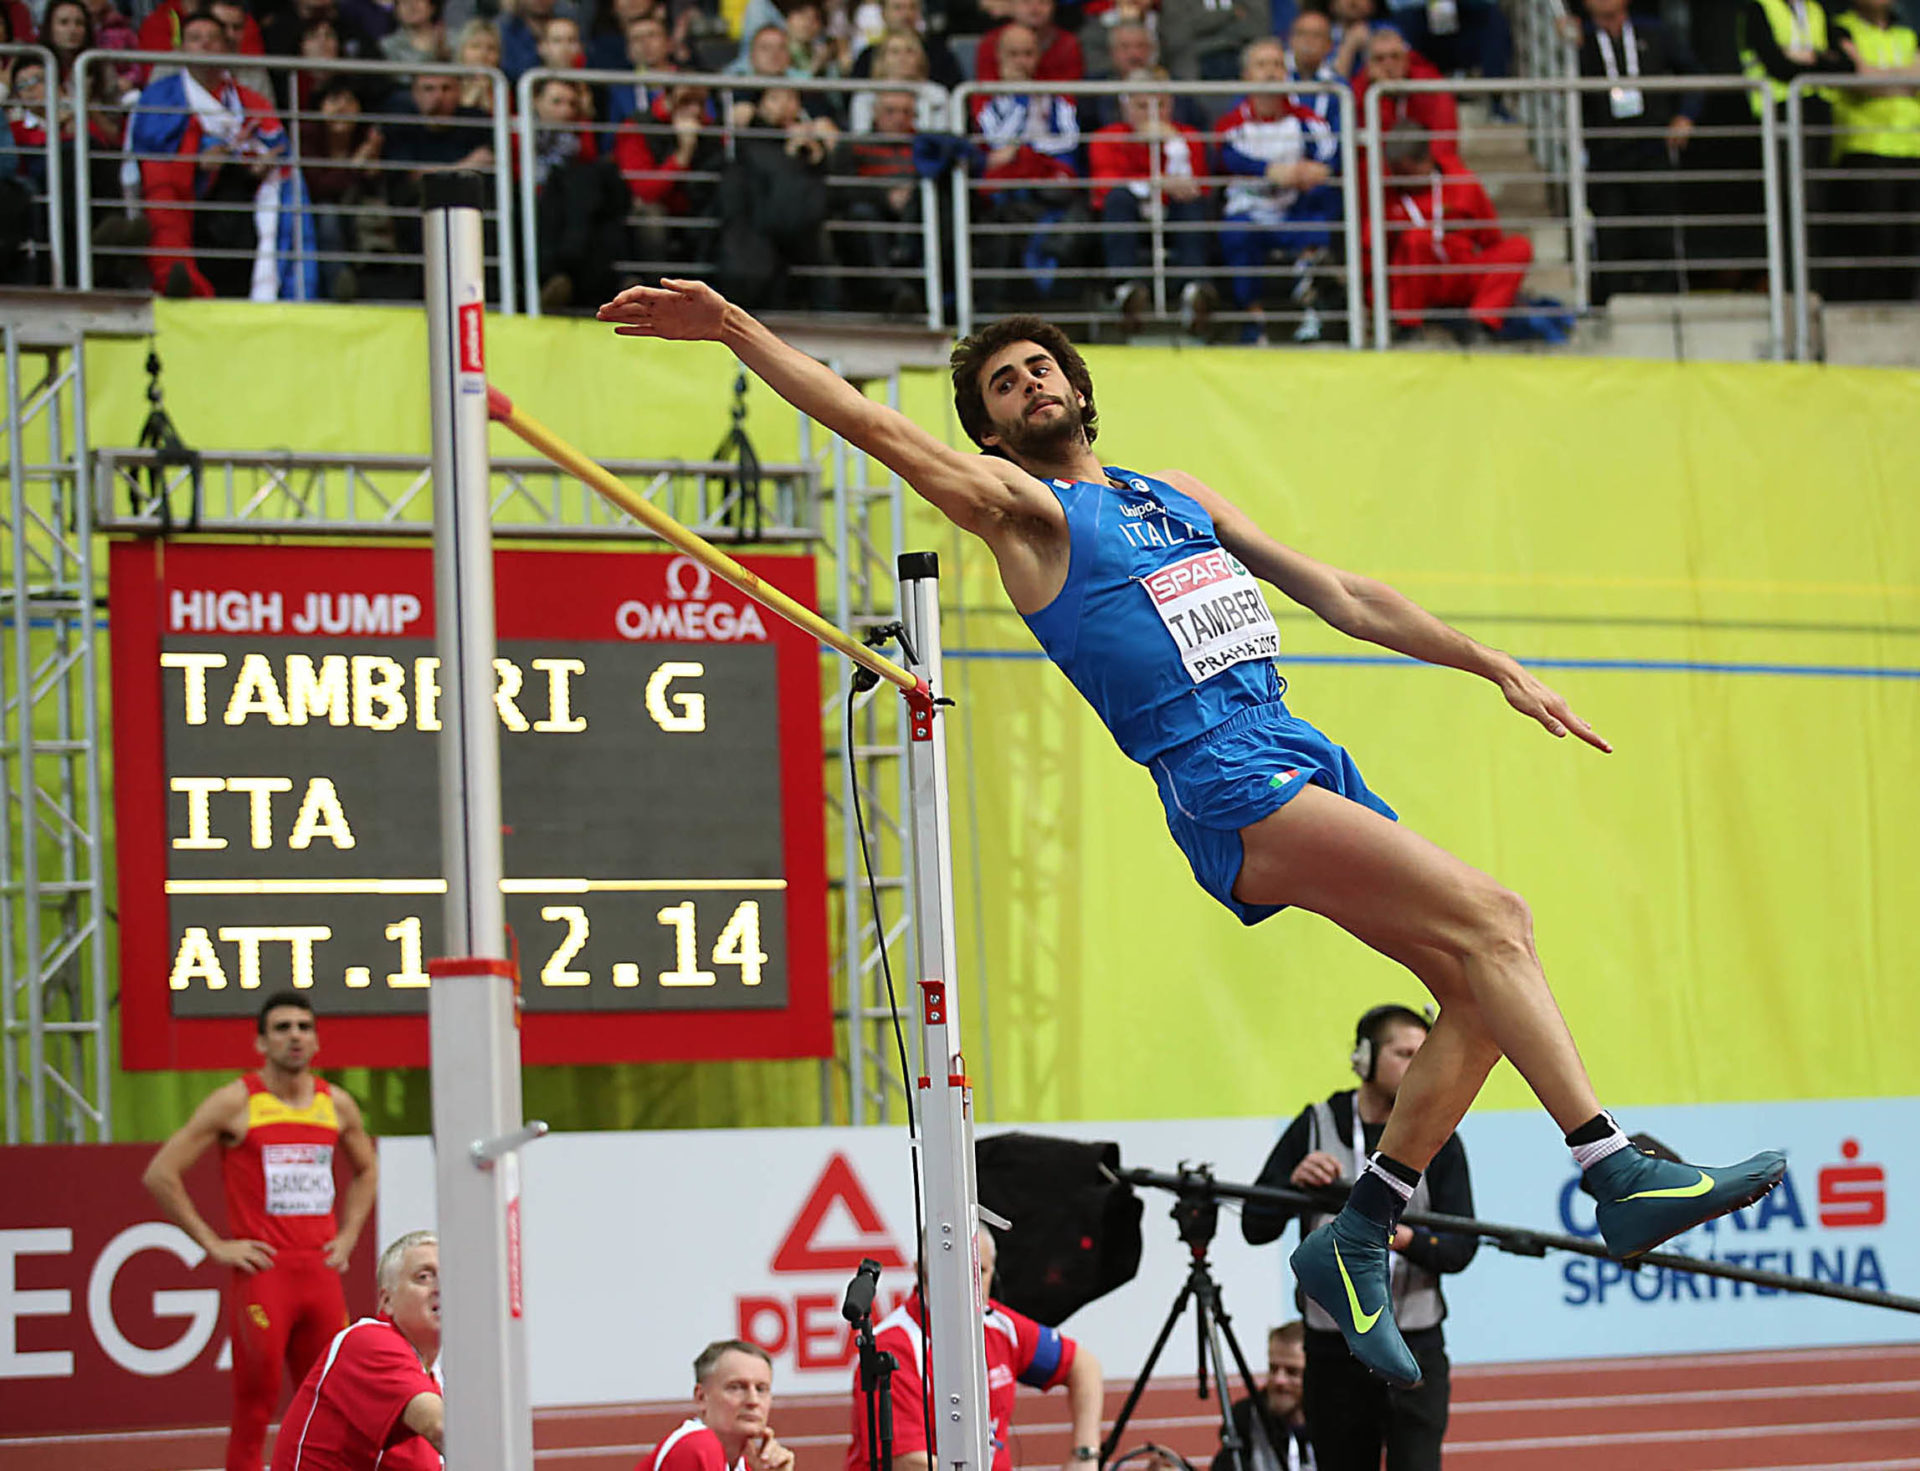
(493, 1360)
(589, 472)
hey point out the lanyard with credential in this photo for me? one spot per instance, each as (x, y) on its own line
(1626, 44)
(1439, 208)
(1802, 24)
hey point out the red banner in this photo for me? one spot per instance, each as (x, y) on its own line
(110, 1318)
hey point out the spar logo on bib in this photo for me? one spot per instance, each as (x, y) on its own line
(1214, 611)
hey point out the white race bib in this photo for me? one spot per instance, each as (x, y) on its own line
(299, 1179)
(1214, 611)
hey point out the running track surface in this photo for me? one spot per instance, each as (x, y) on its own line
(1786, 1410)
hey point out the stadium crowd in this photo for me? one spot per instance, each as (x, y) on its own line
(229, 175)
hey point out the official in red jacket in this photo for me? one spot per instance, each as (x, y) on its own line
(1445, 248)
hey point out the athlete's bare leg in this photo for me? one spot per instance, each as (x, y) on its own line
(1469, 940)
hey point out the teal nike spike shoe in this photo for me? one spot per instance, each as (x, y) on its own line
(1343, 1266)
(1644, 1200)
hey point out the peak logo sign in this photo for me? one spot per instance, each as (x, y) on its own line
(836, 1225)
(1776, 1234)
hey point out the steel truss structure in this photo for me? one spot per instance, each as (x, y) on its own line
(54, 943)
(54, 1000)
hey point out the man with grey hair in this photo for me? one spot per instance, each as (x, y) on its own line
(731, 1431)
(372, 1400)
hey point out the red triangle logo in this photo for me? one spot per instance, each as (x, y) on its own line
(800, 1252)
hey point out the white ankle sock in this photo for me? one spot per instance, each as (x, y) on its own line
(1588, 1155)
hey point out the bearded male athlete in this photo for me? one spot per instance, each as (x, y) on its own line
(1141, 588)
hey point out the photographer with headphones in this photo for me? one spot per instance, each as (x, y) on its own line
(1352, 1415)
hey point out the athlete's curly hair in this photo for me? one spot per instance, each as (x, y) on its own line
(970, 355)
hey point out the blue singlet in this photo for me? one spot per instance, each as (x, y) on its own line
(1170, 640)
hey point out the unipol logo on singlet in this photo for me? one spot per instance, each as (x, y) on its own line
(1215, 612)
(299, 1178)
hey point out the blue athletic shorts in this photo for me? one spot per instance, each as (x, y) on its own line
(1239, 772)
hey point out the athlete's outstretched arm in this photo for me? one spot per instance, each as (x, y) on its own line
(975, 492)
(1366, 608)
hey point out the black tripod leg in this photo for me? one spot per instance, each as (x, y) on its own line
(1146, 1372)
(1219, 1329)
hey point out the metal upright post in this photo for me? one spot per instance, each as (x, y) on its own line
(473, 1025)
(1797, 232)
(959, 1400)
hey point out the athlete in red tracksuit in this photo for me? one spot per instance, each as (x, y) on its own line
(1444, 245)
(278, 1130)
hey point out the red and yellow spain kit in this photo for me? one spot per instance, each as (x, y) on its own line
(279, 1184)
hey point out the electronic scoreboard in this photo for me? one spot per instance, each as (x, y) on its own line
(277, 794)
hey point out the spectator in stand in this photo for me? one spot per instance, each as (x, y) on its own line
(201, 139)
(1203, 39)
(1445, 249)
(767, 53)
(1353, 23)
(338, 155)
(285, 31)
(1778, 42)
(606, 42)
(668, 156)
(441, 134)
(1876, 142)
(1310, 59)
(1032, 143)
(1060, 57)
(1282, 199)
(419, 36)
(773, 210)
(1634, 141)
(1121, 163)
(66, 29)
(887, 249)
(165, 26)
(1125, 48)
(522, 23)
(1390, 59)
(560, 48)
(479, 47)
(112, 31)
(649, 49)
(581, 210)
(1109, 56)
(320, 41)
(902, 59)
(232, 14)
(905, 16)
(813, 50)
(733, 1395)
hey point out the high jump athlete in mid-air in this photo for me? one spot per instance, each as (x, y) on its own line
(1142, 589)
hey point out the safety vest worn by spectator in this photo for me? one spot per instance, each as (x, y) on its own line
(1884, 127)
(1793, 23)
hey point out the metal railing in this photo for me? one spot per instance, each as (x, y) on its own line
(496, 129)
(1578, 221)
(1803, 215)
(727, 127)
(967, 190)
(1775, 191)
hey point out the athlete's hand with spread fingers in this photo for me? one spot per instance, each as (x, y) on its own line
(677, 311)
(1316, 1170)
(244, 1253)
(765, 1453)
(337, 1253)
(1532, 698)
